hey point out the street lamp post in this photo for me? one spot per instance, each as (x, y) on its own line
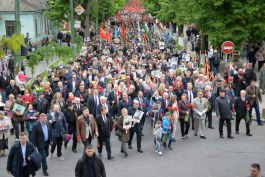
(17, 54)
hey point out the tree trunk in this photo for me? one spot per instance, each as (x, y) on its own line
(87, 19)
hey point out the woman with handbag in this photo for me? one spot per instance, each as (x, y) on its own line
(5, 125)
(125, 133)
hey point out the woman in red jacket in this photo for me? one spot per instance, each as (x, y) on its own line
(28, 97)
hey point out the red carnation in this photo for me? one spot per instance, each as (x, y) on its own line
(169, 108)
(115, 124)
(161, 115)
(175, 108)
(207, 95)
(191, 106)
(247, 106)
(78, 138)
(143, 105)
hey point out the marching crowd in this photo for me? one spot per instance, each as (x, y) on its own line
(89, 98)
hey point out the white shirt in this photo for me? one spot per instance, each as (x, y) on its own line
(23, 148)
(190, 95)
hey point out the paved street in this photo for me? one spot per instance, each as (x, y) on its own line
(195, 157)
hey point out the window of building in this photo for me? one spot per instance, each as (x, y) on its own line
(10, 28)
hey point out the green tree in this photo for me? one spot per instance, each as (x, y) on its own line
(221, 20)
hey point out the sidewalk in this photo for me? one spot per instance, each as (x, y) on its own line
(42, 66)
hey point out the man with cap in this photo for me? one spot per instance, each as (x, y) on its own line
(199, 113)
(71, 116)
(18, 116)
(223, 112)
(41, 105)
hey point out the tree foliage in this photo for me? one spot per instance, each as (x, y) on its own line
(221, 20)
(59, 10)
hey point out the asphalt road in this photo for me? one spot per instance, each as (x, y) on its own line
(195, 157)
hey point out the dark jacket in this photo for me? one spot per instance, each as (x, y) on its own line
(82, 170)
(104, 129)
(223, 107)
(37, 136)
(71, 117)
(15, 159)
(136, 126)
(12, 90)
(183, 108)
(58, 125)
(92, 105)
(123, 104)
(79, 111)
(41, 105)
(4, 82)
(240, 107)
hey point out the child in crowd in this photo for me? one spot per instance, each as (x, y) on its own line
(167, 131)
(158, 136)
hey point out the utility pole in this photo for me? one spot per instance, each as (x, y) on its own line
(97, 18)
(17, 54)
(72, 21)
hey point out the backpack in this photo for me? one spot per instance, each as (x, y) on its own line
(216, 60)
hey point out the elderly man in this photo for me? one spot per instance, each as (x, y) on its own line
(103, 103)
(254, 94)
(223, 113)
(242, 111)
(199, 113)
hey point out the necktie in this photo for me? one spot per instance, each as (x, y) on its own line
(140, 100)
(190, 96)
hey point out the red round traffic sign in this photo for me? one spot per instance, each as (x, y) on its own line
(228, 47)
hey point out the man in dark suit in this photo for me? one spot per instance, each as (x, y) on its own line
(144, 105)
(113, 99)
(103, 103)
(125, 102)
(62, 90)
(92, 102)
(78, 107)
(191, 95)
(104, 124)
(40, 138)
(241, 111)
(136, 127)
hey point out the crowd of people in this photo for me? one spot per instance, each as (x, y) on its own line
(91, 97)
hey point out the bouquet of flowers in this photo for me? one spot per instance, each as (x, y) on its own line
(175, 108)
(191, 106)
(247, 114)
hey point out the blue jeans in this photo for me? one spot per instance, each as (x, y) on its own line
(158, 144)
(215, 69)
(256, 107)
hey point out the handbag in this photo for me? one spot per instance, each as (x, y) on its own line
(118, 132)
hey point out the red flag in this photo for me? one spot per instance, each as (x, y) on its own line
(124, 31)
(118, 17)
(102, 33)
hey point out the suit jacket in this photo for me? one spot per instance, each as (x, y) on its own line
(123, 104)
(200, 106)
(145, 104)
(92, 105)
(253, 91)
(79, 111)
(81, 126)
(112, 100)
(104, 128)
(58, 126)
(183, 108)
(240, 107)
(193, 92)
(37, 136)
(4, 82)
(99, 107)
(136, 126)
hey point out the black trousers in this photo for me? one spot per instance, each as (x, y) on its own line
(138, 137)
(16, 127)
(87, 142)
(74, 140)
(105, 139)
(25, 172)
(221, 124)
(184, 126)
(57, 142)
(209, 117)
(44, 152)
(238, 123)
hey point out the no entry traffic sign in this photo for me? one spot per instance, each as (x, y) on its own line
(228, 47)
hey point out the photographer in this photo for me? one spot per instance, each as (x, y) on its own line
(58, 128)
